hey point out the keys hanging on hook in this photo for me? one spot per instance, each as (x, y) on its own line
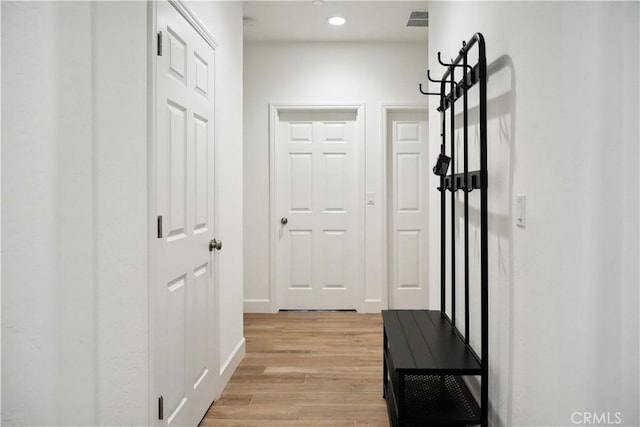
(442, 165)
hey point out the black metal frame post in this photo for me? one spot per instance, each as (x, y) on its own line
(467, 181)
(465, 142)
(484, 225)
(443, 209)
(453, 199)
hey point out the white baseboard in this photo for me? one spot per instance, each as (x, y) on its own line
(264, 306)
(257, 306)
(230, 365)
(372, 306)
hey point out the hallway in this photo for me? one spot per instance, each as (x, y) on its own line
(306, 369)
(138, 136)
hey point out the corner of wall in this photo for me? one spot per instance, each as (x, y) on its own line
(230, 365)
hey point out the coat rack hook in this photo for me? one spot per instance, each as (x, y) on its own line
(426, 93)
(442, 63)
(433, 80)
(439, 81)
(451, 65)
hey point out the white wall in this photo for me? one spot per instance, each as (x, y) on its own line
(563, 129)
(289, 73)
(0, 213)
(75, 320)
(120, 211)
(33, 338)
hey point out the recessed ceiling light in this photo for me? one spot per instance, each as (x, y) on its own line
(317, 2)
(336, 20)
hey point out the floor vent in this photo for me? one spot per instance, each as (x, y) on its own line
(418, 19)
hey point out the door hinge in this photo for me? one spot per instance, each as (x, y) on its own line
(160, 227)
(161, 408)
(160, 43)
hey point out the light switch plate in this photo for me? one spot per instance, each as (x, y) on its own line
(371, 200)
(521, 209)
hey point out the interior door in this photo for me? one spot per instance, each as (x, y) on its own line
(316, 170)
(186, 353)
(408, 245)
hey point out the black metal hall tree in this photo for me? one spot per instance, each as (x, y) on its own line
(426, 355)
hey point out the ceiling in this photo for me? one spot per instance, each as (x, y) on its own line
(302, 20)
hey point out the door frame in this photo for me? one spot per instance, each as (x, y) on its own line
(274, 114)
(385, 111)
(152, 227)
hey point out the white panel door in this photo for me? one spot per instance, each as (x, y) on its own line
(186, 347)
(407, 148)
(316, 173)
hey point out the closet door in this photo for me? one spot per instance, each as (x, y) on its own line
(317, 203)
(408, 245)
(185, 335)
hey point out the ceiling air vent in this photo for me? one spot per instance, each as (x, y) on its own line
(418, 19)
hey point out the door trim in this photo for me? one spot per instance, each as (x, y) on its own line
(385, 111)
(194, 21)
(274, 114)
(152, 274)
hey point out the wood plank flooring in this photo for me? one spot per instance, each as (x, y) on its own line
(306, 369)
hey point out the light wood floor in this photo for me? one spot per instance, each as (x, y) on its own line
(306, 369)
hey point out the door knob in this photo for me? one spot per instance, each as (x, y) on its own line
(284, 220)
(215, 244)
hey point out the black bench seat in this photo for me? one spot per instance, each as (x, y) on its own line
(424, 362)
